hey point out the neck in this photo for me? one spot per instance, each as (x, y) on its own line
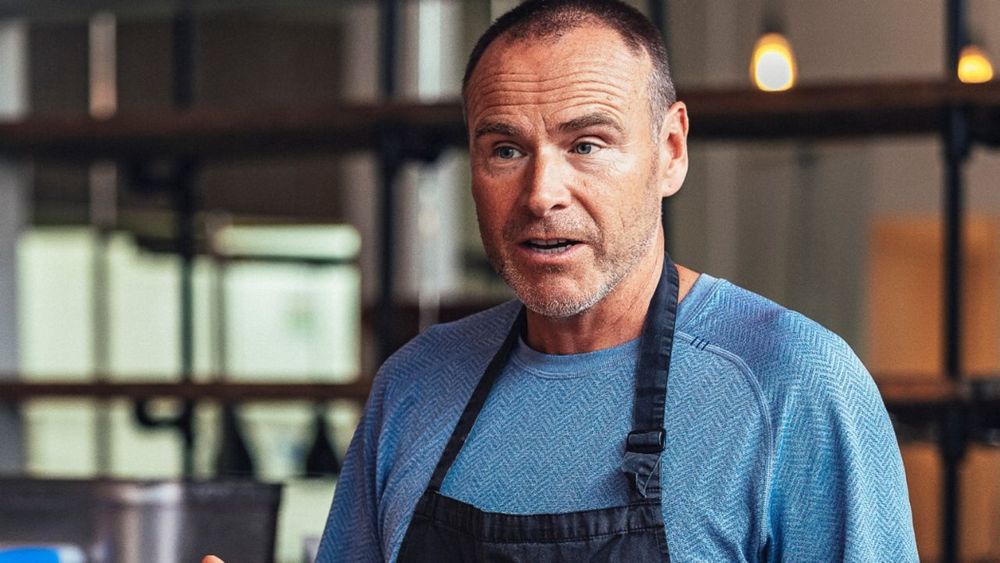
(614, 320)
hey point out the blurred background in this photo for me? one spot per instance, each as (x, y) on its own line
(218, 217)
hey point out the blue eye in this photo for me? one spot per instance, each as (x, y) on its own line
(585, 148)
(506, 153)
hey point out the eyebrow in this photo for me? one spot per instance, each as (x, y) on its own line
(496, 128)
(591, 120)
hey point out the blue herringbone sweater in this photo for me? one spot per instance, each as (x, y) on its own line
(778, 445)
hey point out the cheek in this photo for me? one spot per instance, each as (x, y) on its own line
(613, 191)
(490, 206)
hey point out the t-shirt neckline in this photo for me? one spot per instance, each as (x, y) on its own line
(606, 360)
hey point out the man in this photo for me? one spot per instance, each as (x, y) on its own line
(546, 429)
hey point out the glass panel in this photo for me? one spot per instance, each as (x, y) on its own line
(284, 322)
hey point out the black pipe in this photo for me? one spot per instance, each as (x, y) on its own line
(184, 45)
(185, 205)
(389, 166)
(952, 445)
(956, 149)
(184, 197)
(956, 140)
(388, 36)
(183, 58)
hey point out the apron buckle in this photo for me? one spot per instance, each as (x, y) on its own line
(646, 441)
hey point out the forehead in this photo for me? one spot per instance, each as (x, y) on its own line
(587, 67)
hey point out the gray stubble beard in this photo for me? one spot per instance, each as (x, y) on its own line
(560, 309)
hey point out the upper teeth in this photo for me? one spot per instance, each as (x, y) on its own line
(553, 242)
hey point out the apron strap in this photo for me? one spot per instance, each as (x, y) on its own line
(475, 404)
(644, 444)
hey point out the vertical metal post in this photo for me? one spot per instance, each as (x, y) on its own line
(182, 186)
(185, 205)
(956, 148)
(956, 139)
(389, 158)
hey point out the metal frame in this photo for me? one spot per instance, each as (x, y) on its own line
(954, 423)
(389, 165)
(183, 189)
(959, 130)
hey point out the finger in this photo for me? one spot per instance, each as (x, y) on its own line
(211, 559)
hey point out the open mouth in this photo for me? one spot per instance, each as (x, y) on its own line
(549, 246)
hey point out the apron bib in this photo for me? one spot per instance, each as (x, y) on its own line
(446, 530)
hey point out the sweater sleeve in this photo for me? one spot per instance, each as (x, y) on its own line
(352, 531)
(838, 490)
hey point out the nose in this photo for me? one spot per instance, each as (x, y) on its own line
(547, 189)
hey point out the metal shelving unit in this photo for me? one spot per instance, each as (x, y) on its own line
(400, 131)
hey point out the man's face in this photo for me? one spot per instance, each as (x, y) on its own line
(565, 165)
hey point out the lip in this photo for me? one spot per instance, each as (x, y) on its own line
(530, 255)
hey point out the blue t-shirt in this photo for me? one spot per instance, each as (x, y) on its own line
(778, 444)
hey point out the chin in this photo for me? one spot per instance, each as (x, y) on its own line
(558, 305)
(556, 309)
(554, 294)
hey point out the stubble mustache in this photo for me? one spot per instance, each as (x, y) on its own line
(521, 228)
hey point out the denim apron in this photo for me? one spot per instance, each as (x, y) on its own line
(446, 530)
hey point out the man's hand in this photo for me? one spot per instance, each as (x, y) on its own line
(211, 559)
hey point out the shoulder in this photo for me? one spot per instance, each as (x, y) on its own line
(786, 352)
(833, 482)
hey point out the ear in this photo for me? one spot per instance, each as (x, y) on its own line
(673, 149)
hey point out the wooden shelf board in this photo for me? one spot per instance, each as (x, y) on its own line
(819, 111)
(222, 392)
(901, 393)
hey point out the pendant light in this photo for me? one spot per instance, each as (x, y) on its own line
(772, 66)
(974, 66)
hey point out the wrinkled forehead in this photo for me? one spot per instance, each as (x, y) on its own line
(589, 61)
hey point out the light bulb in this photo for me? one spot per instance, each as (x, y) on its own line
(772, 67)
(974, 66)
